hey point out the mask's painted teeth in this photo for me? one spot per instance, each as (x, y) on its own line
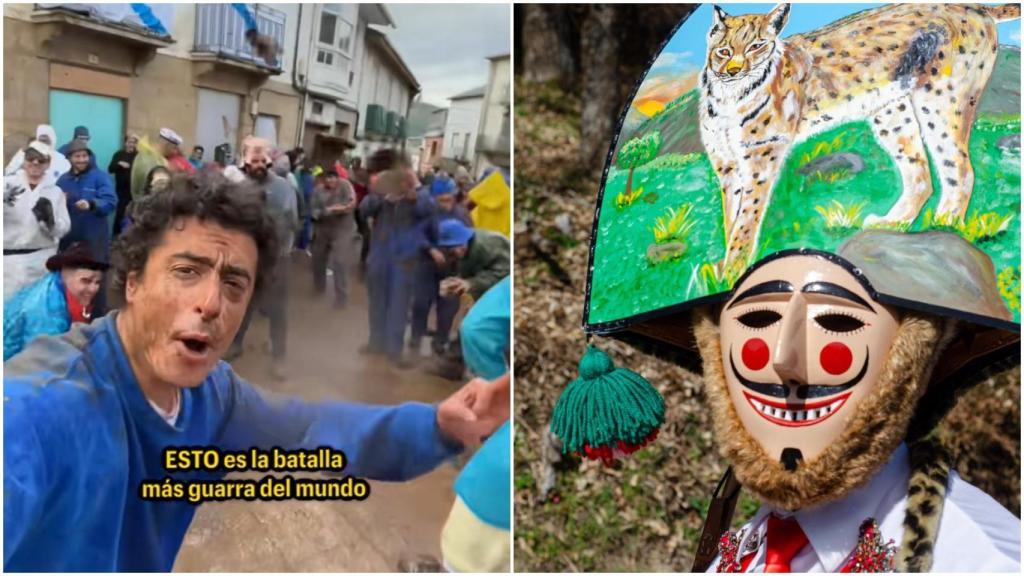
(803, 417)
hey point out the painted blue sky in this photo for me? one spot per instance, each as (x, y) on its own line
(688, 48)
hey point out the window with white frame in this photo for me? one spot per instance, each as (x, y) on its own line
(345, 37)
(335, 43)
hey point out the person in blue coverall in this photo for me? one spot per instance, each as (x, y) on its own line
(88, 414)
(433, 267)
(91, 200)
(401, 216)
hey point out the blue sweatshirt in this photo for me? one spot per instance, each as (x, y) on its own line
(400, 229)
(90, 225)
(79, 437)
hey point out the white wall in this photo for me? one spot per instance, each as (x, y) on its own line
(496, 103)
(291, 32)
(332, 79)
(183, 31)
(463, 118)
(354, 95)
(20, 11)
(381, 85)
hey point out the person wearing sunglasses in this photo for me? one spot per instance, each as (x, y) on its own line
(59, 164)
(35, 219)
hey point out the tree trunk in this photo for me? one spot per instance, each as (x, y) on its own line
(599, 46)
(629, 180)
(601, 50)
(550, 44)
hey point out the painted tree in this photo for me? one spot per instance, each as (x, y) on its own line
(637, 152)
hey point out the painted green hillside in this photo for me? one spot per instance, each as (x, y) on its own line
(653, 244)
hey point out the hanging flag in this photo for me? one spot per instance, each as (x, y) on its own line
(145, 13)
(156, 18)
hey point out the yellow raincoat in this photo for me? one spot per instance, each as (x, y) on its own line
(493, 201)
(147, 159)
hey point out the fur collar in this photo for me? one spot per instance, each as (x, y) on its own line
(930, 463)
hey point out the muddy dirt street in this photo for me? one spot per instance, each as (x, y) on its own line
(398, 520)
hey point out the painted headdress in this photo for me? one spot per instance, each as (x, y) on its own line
(750, 140)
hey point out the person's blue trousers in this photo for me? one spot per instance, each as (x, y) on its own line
(390, 287)
(426, 295)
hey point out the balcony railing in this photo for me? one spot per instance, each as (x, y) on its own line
(118, 22)
(220, 30)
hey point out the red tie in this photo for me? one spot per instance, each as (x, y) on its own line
(784, 540)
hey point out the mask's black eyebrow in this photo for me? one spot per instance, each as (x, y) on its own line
(836, 290)
(771, 287)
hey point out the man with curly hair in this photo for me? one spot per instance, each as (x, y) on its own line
(89, 414)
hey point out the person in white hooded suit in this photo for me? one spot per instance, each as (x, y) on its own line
(59, 164)
(35, 219)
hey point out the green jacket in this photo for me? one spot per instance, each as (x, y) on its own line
(486, 262)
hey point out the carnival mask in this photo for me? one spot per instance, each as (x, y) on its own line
(803, 343)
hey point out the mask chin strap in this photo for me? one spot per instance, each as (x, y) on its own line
(723, 505)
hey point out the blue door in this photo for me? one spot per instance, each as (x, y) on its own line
(102, 115)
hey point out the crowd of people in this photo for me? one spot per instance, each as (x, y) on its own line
(424, 245)
(190, 251)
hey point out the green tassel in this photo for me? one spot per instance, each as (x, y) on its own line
(607, 409)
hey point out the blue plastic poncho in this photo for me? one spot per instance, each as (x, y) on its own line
(40, 308)
(485, 332)
(484, 483)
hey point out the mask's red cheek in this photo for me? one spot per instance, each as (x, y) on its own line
(836, 358)
(755, 354)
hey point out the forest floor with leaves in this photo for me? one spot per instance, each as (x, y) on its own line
(647, 513)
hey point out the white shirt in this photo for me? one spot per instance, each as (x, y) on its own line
(170, 416)
(21, 228)
(976, 534)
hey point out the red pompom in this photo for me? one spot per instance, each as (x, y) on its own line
(608, 454)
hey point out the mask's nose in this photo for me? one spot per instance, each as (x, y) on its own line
(790, 354)
(733, 67)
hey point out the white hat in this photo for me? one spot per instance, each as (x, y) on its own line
(171, 136)
(42, 148)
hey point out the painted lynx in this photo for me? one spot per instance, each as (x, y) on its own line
(915, 73)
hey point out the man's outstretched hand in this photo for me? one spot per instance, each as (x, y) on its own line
(474, 412)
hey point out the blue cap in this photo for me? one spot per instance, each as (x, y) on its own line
(442, 186)
(452, 232)
(81, 131)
